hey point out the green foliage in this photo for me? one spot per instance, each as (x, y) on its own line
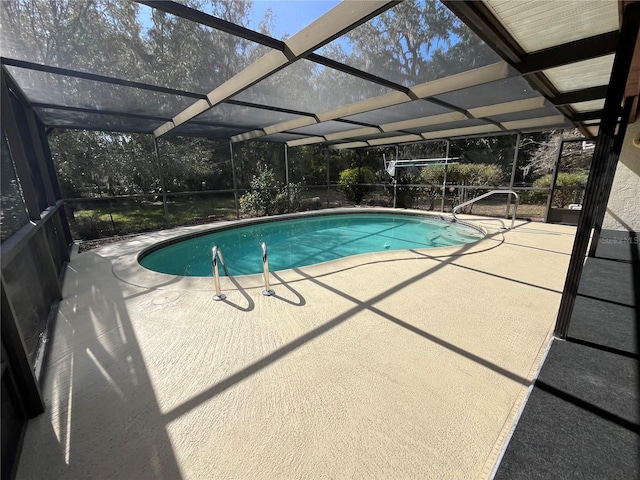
(352, 179)
(405, 195)
(573, 183)
(268, 196)
(464, 174)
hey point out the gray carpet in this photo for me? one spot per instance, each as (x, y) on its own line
(582, 420)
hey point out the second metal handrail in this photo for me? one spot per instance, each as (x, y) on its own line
(265, 267)
(215, 255)
(492, 192)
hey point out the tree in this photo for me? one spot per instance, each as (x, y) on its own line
(575, 157)
(413, 43)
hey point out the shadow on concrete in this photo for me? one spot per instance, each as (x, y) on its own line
(358, 307)
(103, 418)
(301, 302)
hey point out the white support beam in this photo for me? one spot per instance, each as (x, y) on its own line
(398, 139)
(459, 132)
(508, 107)
(424, 121)
(535, 122)
(305, 141)
(471, 78)
(342, 146)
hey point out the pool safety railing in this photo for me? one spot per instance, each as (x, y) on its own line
(216, 255)
(267, 292)
(488, 194)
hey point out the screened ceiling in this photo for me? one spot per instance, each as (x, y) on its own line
(344, 74)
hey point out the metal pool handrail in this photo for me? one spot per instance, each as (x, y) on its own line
(215, 255)
(492, 192)
(267, 292)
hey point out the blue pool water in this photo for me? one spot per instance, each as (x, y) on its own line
(306, 241)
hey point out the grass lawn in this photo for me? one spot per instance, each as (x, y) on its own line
(123, 217)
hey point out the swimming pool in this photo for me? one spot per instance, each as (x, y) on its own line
(305, 241)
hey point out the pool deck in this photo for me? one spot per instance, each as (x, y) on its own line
(390, 365)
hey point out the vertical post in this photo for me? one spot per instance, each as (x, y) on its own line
(554, 177)
(444, 179)
(610, 175)
(286, 165)
(235, 186)
(326, 153)
(604, 158)
(162, 184)
(40, 158)
(513, 172)
(286, 175)
(23, 170)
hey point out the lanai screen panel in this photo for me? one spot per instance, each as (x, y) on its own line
(54, 89)
(309, 87)
(57, 118)
(244, 117)
(123, 39)
(412, 43)
(396, 113)
(386, 62)
(492, 93)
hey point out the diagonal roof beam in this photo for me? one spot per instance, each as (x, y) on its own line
(191, 14)
(571, 52)
(339, 20)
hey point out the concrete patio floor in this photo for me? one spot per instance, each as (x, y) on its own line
(392, 365)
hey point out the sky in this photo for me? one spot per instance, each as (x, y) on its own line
(290, 16)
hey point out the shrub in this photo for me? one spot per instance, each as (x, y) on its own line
(268, 196)
(352, 179)
(573, 180)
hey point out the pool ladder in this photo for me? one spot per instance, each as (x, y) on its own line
(267, 292)
(216, 256)
(488, 194)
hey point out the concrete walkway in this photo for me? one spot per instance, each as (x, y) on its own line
(393, 365)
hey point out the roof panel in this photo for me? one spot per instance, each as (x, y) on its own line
(546, 23)
(580, 75)
(591, 106)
